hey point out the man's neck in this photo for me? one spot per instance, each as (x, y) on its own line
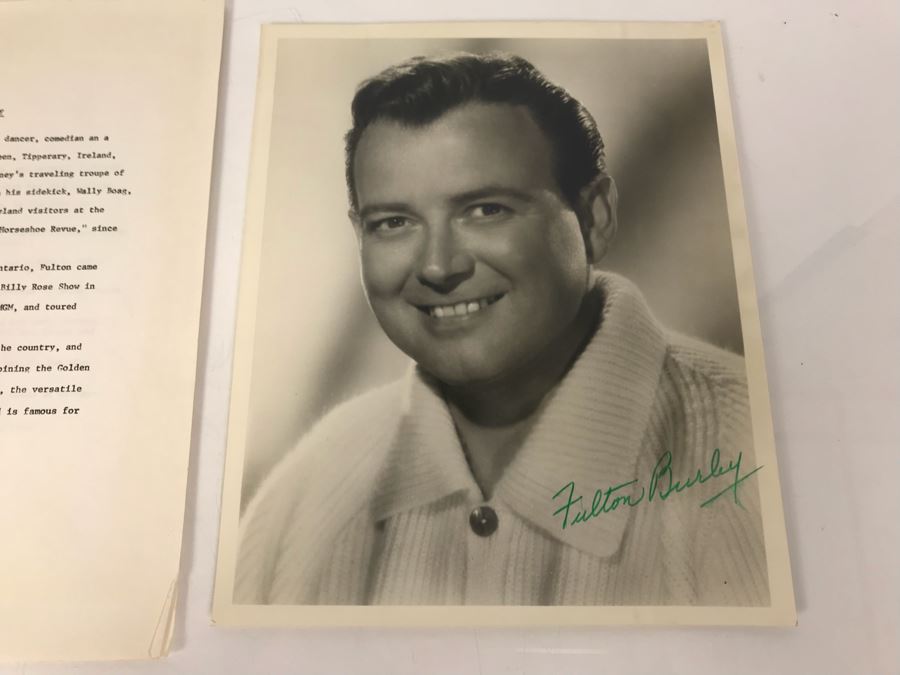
(493, 419)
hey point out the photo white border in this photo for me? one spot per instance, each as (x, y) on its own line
(781, 611)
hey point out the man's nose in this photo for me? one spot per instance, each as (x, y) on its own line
(445, 263)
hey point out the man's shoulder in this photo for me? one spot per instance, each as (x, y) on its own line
(359, 418)
(706, 387)
(707, 414)
(325, 481)
(694, 358)
(348, 433)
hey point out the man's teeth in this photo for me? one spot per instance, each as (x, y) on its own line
(459, 309)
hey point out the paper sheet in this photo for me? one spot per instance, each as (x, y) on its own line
(107, 115)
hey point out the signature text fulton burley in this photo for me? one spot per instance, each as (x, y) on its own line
(661, 486)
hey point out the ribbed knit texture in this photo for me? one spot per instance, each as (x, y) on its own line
(373, 505)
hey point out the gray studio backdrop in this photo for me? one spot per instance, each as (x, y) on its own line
(316, 343)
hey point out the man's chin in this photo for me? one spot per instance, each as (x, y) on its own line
(461, 374)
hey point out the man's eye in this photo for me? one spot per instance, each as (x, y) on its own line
(388, 224)
(488, 210)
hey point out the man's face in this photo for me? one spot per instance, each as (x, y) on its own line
(472, 261)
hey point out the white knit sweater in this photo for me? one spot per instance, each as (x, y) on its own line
(372, 506)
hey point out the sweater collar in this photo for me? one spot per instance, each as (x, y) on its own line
(588, 432)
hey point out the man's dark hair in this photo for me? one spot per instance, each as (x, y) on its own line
(418, 91)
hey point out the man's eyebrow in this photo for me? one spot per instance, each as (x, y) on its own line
(457, 199)
(384, 207)
(492, 191)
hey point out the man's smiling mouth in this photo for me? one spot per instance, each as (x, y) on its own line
(459, 309)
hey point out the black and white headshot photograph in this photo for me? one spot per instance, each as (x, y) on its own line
(498, 343)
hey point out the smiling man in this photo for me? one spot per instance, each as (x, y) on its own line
(482, 206)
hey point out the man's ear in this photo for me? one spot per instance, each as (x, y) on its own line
(598, 217)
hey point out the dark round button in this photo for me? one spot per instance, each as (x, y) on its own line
(483, 521)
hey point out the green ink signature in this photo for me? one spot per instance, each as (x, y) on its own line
(662, 485)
